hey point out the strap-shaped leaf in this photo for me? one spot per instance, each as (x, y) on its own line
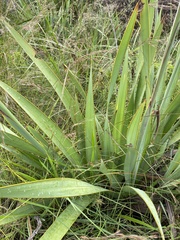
(63, 223)
(90, 126)
(50, 188)
(20, 129)
(68, 100)
(121, 52)
(46, 124)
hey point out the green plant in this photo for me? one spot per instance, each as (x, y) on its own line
(140, 123)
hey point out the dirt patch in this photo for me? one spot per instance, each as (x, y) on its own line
(125, 8)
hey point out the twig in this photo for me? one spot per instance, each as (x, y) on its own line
(39, 225)
(119, 236)
(171, 216)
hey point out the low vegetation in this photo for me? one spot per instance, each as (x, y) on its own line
(89, 122)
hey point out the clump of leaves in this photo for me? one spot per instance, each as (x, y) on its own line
(115, 151)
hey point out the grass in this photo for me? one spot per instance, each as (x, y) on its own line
(88, 156)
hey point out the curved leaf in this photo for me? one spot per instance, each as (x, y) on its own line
(150, 205)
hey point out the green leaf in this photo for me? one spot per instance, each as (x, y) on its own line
(50, 188)
(90, 126)
(145, 130)
(25, 157)
(149, 43)
(118, 126)
(169, 123)
(134, 126)
(172, 84)
(20, 212)
(111, 176)
(121, 52)
(175, 138)
(132, 140)
(138, 86)
(19, 144)
(170, 116)
(173, 171)
(145, 32)
(157, 92)
(150, 205)
(107, 139)
(68, 100)
(46, 124)
(75, 82)
(137, 221)
(10, 118)
(63, 223)
(107, 143)
(171, 184)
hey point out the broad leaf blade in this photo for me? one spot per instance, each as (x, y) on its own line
(132, 137)
(19, 144)
(63, 223)
(46, 124)
(107, 143)
(50, 188)
(118, 126)
(90, 126)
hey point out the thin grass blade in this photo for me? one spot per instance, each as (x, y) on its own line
(68, 100)
(173, 171)
(157, 92)
(20, 212)
(172, 84)
(121, 52)
(169, 118)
